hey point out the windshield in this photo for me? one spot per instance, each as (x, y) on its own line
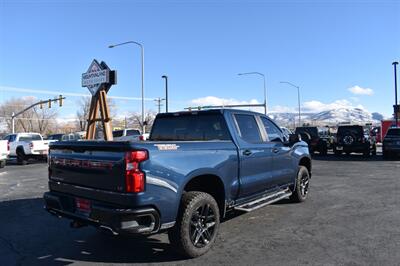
(352, 130)
(29, 137)
(118, 133)
(393, 132)
(55, 137)
(190, 127)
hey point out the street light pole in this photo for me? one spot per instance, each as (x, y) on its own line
(142, 61)
(298, 97)
(395, 92)
(265, 87)
(166, 92)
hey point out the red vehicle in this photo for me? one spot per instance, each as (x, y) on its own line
(386, 124)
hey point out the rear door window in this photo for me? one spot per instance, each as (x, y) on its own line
(248, 128)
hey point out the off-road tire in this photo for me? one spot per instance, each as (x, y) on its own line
(324, 150)
(374, 150)
(21, 157)
(179, 236)
(367, 153)
(298, 194)
(386, 155)
(336, 152)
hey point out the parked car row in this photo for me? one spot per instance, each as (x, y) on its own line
(349, 139)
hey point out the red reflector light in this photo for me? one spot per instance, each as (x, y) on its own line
(82, 205)
(134, 177)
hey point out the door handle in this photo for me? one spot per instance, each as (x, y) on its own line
(247, 152)
(275, 150)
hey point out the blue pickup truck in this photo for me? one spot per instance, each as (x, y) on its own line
(196, 167)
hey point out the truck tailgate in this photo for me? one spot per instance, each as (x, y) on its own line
(92, 164)
(41, 146)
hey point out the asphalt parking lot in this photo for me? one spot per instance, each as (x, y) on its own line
(351, 217)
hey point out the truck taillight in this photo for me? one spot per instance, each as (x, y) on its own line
(8, 146)
(141, 138)
(134, 177)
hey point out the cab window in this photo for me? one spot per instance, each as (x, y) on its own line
(273, 132)
(248, 128)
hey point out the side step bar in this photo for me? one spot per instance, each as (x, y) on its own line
(263, 201)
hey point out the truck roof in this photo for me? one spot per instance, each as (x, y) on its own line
(209, 111)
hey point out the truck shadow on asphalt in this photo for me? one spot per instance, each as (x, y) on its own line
(13, 161)
(30, 235)
(345, 157)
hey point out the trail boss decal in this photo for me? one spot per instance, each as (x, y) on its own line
(166, 147)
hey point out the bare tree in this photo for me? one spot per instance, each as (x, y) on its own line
(135, 120)
(33, 120)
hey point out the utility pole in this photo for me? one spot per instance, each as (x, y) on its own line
(166, 92)
(396, 106)
(159, 103)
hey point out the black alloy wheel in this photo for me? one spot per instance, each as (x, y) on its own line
(202, 225)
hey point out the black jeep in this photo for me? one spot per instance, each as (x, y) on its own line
(317, 138)
(354, 138)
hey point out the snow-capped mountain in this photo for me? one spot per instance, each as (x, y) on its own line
(331, 117)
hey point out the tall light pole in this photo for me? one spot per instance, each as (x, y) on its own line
(166, 92)
(298, 97)
(396, 110)
(265, 88)
(142, 56)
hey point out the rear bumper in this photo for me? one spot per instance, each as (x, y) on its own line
(143, 220)
(352, 148)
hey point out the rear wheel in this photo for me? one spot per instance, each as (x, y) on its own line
(21, 157)
(324, 150)
(386, 155)
(374, 150)
(197, 224)
(337, 153)
(302, 185)
(367, 152)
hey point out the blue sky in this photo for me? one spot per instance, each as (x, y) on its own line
(325, 47)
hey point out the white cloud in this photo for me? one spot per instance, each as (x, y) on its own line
(357, 90)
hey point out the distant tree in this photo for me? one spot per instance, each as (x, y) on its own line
(135, 120)
(32, 120)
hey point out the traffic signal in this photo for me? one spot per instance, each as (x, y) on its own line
(49, 103)
(60, 100)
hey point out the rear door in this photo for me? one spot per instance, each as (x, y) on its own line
(255, 155)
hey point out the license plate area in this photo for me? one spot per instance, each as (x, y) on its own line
(83, 206)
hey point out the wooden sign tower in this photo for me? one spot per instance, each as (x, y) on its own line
(99, 79)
